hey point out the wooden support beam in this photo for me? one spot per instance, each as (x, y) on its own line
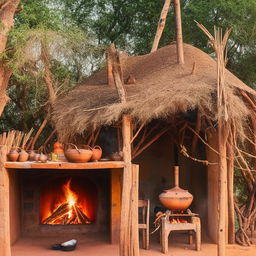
(222, 226)
(161, 25)
(116, 177)
(134, 210)
(5, 244)
(230, 185)
(179, 37)
(125, 238)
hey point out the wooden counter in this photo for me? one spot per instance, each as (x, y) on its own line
(65, 165)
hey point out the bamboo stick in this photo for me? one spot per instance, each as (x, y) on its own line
(161, 25)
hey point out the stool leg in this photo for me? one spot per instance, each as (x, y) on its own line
(143, 239)
(164, 236)
(190, 237)
(198, 235)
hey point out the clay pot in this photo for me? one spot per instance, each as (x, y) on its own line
(37, 156)
(32, 155)
(23, 156)
(76, 155)
(116, 156)
(176, 199)
(13, 155)
(96, 153)
(43, 158)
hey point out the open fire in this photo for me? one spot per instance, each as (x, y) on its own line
(66, 205)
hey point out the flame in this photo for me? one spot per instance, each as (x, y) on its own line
(70, 195)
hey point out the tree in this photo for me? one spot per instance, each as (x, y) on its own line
(7, 11)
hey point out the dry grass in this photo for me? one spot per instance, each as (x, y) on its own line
(162, 89)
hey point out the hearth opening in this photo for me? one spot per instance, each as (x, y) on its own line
(68, 201)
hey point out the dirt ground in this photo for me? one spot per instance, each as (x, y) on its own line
(93, 246)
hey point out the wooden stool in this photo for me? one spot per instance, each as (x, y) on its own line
(145, 205)
(193, 226)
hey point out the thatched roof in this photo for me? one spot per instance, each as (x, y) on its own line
(162, 88)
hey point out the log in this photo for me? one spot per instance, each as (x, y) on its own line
(5, 245)
(62, 209)
(161, 25)
(179, 37)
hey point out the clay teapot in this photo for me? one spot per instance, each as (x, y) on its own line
(13, 155)
(116, 156)
(23, 156)
(96, 153)
(78, 155)
(176, 198)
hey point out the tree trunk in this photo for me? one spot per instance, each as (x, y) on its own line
(5, 247)
(47, 73)
(7, 11)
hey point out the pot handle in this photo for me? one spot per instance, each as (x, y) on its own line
(98, 147)
(74, 147)
(87, 147)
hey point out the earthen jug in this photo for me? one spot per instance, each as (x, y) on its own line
(13, 155)
(96, 153)
(23, 156)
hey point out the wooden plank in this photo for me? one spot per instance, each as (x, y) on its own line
(116, 177)
(64, 165)
(5, 245)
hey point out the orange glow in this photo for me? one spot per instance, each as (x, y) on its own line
(177, 220)
(63, 204)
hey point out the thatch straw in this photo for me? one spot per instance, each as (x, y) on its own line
(162, 89)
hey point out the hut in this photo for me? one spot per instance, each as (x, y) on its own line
(171, 108)
(160, 111)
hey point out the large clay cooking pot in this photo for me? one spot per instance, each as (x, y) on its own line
(76, 155)
(176, 199)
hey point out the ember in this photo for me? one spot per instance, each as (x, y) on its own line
(177, 220)
(68, 209)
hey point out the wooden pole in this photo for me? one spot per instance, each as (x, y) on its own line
(222, 141)
(125, 237)
(134, 210)
(179, 37)
(128, 239)
(230, 184)
(161, 25)
(5, 245)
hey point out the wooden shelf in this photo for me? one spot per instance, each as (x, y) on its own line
(65, 165)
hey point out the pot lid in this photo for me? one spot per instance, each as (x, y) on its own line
(175, 192)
